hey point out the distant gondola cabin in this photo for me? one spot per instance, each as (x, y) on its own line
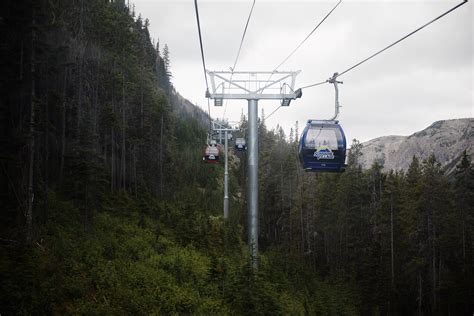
(211, 154)
(240, 144)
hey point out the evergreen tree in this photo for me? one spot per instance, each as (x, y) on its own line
(107, 208)
(166, 60)
(462, 246)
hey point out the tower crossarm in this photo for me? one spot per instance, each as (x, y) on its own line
(268, 85)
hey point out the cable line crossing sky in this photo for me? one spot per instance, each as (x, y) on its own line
(421, 80)
(238, 53)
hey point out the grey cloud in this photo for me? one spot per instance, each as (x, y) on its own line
(425, 78)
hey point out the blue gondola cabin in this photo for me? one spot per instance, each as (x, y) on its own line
(322, 147)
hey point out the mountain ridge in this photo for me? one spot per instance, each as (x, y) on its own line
(446, 139)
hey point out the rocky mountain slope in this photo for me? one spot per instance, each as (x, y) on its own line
(445, 139)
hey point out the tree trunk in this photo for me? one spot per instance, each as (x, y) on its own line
(46, 148)
(63, 128)
(123, 158)
(112, 138)
(290, 222)
(420, 293)
(141, 103)
(161, 156)
(282, 204)
(81, 66)
(135, 170)
(112, 160)
(434, 268)
(29, 210)
(96, 105)
(391, 240)
(301, 196)
(463, 242)
(79, 94)
(20, 77)
(142, 136)
(302, 221)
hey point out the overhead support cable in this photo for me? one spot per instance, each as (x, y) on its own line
(391, 45)
(266, 117)
(238, 52)
(203, 62)
(406, 36)
(314, 84)
(243, 36)
(308, 36)
(297, 47)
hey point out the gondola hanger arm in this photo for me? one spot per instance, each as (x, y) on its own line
(335, 82)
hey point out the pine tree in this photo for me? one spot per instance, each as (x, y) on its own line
(166, 60)
(462, 246)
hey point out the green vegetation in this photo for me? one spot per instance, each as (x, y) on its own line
(108, 209)
(140, 258)
(403, 240)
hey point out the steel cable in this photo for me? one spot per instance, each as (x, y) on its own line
(203, 62)
(297, 47)
(238, 54)
(389, 46)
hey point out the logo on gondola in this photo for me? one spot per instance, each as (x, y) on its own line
(212, 157)
(323, 152)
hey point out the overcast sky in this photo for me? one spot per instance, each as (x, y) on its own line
(427, 77)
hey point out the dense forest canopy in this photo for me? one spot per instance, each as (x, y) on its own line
(107, 207)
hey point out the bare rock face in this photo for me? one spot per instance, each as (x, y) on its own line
(445, 139)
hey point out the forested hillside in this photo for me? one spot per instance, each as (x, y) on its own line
(107, 208)
(106, 205)
(404, 240)
(88, 101)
